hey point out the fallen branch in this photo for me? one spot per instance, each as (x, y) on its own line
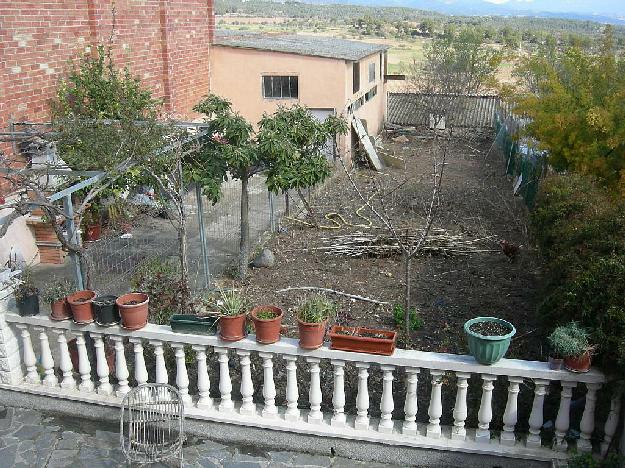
(332, 291)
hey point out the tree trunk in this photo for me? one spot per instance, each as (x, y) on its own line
(309, 209)
(287, 203)
(244, 244)
(407, 292)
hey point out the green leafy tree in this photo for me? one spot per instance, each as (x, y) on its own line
(575, 102)
(287, 146)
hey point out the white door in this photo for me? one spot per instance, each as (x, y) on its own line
(320, 114)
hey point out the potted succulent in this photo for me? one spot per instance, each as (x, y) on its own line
(267, 323)
(572, 343)
(362, 340)
(105, 310)
(489, 338)
(80, 304)
(312, 318)
(55, 294)
(133, 310)
(26, 295)
(232, 308)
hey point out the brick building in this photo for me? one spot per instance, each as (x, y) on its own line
(166, 43)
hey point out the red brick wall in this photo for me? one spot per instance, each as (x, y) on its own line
(164, 42)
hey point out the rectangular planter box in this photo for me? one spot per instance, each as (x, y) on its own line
(385, 345)
(194, 324)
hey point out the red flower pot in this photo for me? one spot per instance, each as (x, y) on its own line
(232, 328)
(80, 303)
(133, 310)
(60, 310)
(363, 340)
(578, 364)
(93, 232)
(267, 330)
(311, 334)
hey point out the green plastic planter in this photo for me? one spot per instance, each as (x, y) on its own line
(488, 349)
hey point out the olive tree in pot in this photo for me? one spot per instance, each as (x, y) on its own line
(312, 318)
(232, 307)
(27, 295)
(571, 342)
(55, 294)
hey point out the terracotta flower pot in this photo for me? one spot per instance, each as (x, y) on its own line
(232, 328)
(60, 310)
(311, 334)
(363, 340)
(267, 330)
(578, 364)
(93, 232)
(133, 310)
(80, 303)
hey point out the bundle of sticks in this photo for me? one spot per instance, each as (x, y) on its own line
(438, 242)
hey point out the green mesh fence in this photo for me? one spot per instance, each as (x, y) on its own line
(520, 161)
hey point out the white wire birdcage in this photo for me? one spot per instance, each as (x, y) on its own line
(152, 424)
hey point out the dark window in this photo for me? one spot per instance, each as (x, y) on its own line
(371, 72)
(356, 69)
(281, 87)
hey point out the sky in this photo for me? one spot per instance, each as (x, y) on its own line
(603, 7)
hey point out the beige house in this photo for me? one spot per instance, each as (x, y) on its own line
(258, 72)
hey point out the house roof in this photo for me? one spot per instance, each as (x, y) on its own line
(317, 46)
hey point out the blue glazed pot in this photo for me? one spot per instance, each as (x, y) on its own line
(488, 349)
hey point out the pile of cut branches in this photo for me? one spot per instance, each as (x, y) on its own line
(438, 242)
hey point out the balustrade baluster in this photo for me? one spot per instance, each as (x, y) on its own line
(435, 409)
(141, 373)
(587, 424)
(610, 424)
(203, 379)
(49, 379)
(84, 366)
(459, 432)
(293, 413)
(269, 387)
(362, 399)
(182, 378)
(563, 418)
(101, 365)
(248, 406)
(387, 405)
(411, 404)
(338, 395)
(121, 369)
(536, 416)
(510, 415)
(485, 414)
(161, 368)
(29, 358)
(225, 384)
(65, 362)
(314, 395)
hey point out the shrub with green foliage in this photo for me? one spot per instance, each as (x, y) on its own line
(569, 340)
(587, 460)
(416, 322)
(580, 231)
(315, 309)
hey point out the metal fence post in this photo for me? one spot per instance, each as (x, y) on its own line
(72, 236)
(200, 222)
(272, 218)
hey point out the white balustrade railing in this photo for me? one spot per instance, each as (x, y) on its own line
(92, 383)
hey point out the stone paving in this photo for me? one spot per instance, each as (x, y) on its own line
(34, 439)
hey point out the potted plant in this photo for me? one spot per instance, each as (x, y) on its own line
(489, 338)
(572, 343)
(133, 310)
(195, 324)
(55, 294)
(312, 318)
(120, 214)
(26, 295)
(92, 222)
(363, 340)
(232, 308)
(267, 323)
(105, 310)
(80, 304)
